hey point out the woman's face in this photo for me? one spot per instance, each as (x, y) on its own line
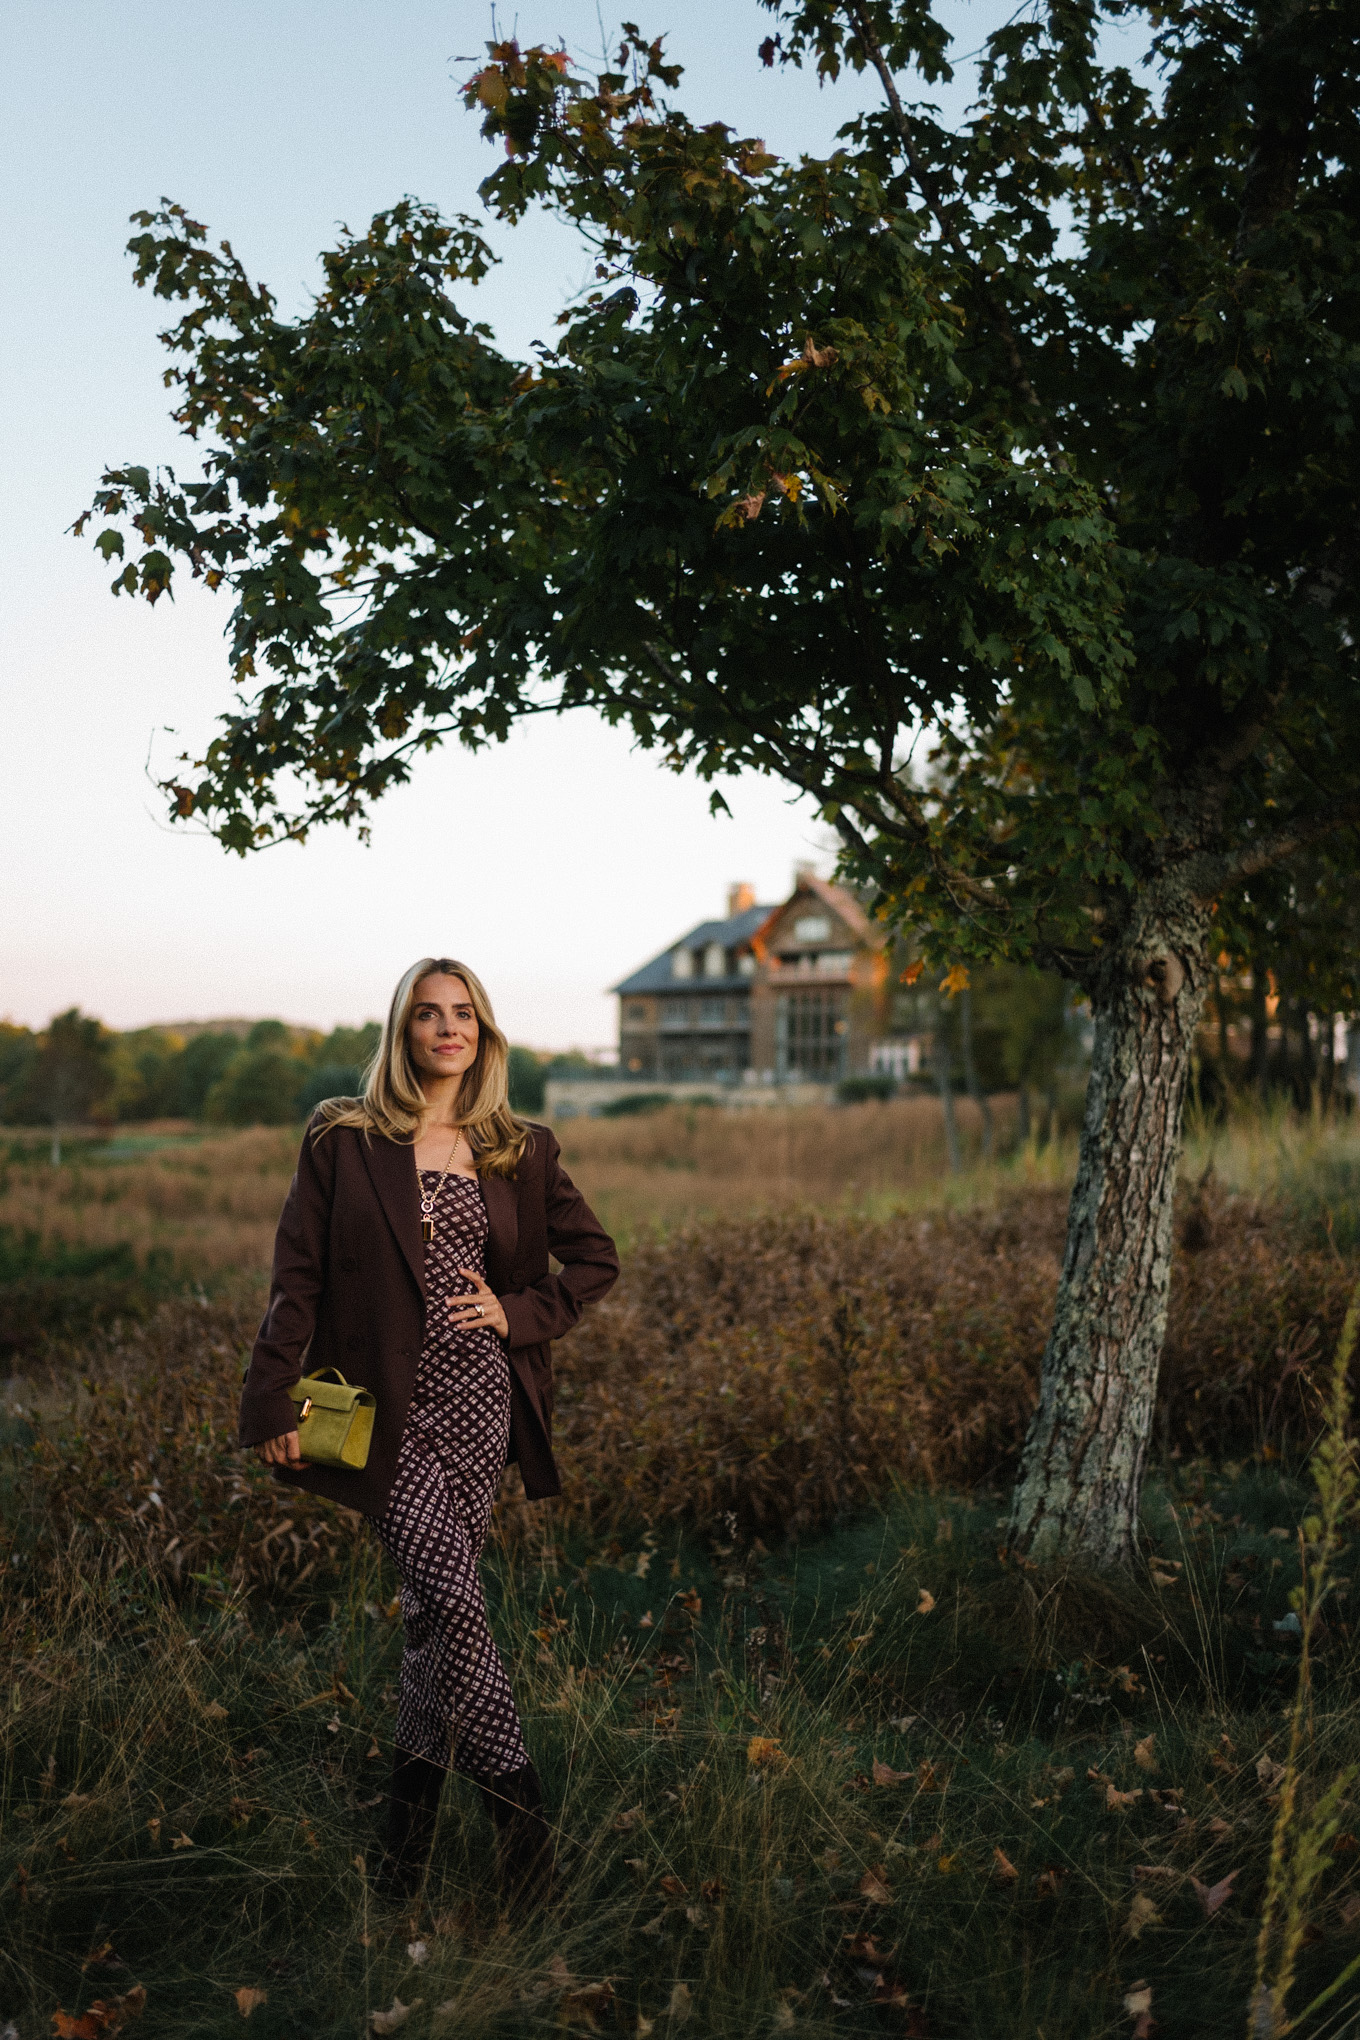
(441, 1033)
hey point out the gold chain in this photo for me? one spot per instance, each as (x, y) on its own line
(429, 1198)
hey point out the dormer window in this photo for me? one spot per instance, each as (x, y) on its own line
(746, 964)
(812, 928)
(682, 963)
(715, 960)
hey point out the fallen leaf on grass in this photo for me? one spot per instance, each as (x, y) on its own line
(1144, 1753)
(623, 1821)
(1049, 1882)
(1138, 2005)
(865, 1948)
(681, 2004)
(927, 1778)
(591, 2001)
(105, 2016)
(1168, 1797)
(764, 1749)
(713, 1889)
(249, 1999)
(1003, 1870)
(397, 2015)
(1155, 1873)
(1268, 1771)
(1120, 1802)
(1218, 1827)
(417, 1952)
(1350, 1911)
(829, 1860)
(1161, 1579)
(182, 1841)
(926, 1602)
(873, 1886)
(1142, 1913)
(654, 1927)
(884, 1774)
(903, 1722)
(103, 1960)
(74, 1800)
(214, 1711)
(1212, 1896)
(675, 1887)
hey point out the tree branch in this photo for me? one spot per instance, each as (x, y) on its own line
(930, 191)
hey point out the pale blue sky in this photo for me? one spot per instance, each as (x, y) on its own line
(555, 864)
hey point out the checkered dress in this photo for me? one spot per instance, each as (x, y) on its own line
(455, 1707)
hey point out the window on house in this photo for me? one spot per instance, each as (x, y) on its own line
(682, 963)
(812, 928)
(811, 1031)
(715, 960)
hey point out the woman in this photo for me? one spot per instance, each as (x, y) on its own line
(412, 1254)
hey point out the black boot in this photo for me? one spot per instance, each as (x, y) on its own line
(524, 1848)
(412, 1805)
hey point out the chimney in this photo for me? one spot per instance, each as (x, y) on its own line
(802, 872)
(740, 899)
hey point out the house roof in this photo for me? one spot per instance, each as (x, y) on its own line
(835, 897)
(732, 934)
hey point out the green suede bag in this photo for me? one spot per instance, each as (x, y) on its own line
(335, 1421)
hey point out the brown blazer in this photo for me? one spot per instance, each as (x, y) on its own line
(348, 1291)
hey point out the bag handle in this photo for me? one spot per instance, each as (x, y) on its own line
(330, 1373)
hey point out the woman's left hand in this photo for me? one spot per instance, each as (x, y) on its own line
(470, 1313)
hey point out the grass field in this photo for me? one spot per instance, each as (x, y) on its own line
(823, 1761)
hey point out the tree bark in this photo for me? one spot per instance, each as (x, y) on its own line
(1082, 1471)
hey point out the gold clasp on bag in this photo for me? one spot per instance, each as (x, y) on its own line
(305, 1411)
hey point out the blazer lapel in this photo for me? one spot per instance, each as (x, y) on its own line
(393, 1170)
(502, 1227)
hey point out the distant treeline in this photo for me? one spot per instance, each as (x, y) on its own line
(76, 1070)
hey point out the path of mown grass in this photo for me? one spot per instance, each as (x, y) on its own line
(194, 1785)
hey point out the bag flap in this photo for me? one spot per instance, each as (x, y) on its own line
(327, 1395)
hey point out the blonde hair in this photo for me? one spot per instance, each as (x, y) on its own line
(394, 1104)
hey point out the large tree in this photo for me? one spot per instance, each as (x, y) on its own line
(993, 482)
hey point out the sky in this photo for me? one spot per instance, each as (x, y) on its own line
(554, 864)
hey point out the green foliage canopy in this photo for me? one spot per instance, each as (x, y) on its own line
(996, 484)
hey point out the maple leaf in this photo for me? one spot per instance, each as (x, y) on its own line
(884, 1774)
(1212, 1896)
(873, 1886)
(764, 1750)
(955, 980)
(912, 972)
(1144, 1753)
(1268, 1771)
(926, 1602)
(1120, 1802)
(249, 1999)
(675, 1887)
(623, 1821)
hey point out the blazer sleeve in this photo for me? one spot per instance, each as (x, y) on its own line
(590, 1263)
(298, 1278)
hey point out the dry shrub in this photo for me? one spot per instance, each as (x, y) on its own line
(784, 1369)
(141, 1465)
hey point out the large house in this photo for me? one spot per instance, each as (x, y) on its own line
(788, 994)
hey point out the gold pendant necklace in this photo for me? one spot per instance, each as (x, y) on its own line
(429, 1198)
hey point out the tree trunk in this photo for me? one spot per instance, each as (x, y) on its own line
(1082, 1471)
(944, 1078)
(1260, 1031)
(970, 1075)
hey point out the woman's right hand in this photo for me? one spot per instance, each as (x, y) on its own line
(281, 1451)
